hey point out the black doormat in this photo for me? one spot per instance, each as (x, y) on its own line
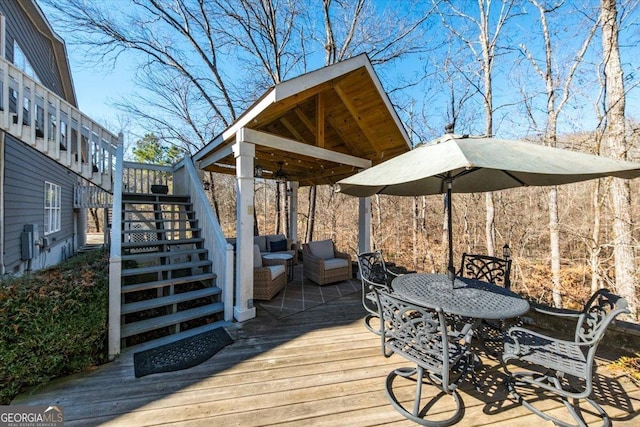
(182, 354)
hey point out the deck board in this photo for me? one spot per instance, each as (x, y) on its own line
(320, 367)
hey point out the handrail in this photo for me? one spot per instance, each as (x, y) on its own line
(186, 181)
(140, 177)
(44, 120)
(115, 259)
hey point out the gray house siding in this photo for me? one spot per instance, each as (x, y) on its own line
(26, 171)
(37, 48)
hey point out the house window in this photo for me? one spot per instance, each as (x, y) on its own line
(20, 60)
(52, 212)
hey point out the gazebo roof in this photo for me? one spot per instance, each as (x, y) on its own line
(319, 127)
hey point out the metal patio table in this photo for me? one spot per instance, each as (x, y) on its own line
(467, 297)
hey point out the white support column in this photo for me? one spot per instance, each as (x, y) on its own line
(244, 154)
(293, 211)
(364, 224)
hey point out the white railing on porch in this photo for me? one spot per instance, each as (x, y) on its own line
(140, 177)
(88, 196)
(42, 119)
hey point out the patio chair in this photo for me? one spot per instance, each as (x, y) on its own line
(493, 270)
(322, 264)
(441, 356)
(565, 368)
(373, 274)
(486, 268)
(269, 276)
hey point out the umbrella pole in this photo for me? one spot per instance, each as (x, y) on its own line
(451, 273)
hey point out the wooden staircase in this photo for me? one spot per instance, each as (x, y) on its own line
(168, 288)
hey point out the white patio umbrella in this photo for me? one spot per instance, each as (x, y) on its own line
(470, 164)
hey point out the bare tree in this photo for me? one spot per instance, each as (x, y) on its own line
(557, 94)
(351, 28)
(616, 145)
(488, 29)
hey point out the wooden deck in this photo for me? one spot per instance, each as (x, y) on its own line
(320, 367)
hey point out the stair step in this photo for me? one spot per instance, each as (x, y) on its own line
(167, 282)
(157, 211)
(160, 230)
(151, 198)
(128, 245)
(147, 220)
(164, 267)
(170, 319)
(156, 203)
(168, 300)
(176, 337)
(164, 254)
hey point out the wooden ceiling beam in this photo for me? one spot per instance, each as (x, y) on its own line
(290, 146)
(346, 100)
(320, 120)
(296, 135)
(305, 120)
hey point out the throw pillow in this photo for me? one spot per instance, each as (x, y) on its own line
(279, 246)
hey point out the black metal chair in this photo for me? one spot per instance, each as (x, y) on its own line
(486, 268)
(373, 274)
(490, 269)
(562, 367)
(441, 356)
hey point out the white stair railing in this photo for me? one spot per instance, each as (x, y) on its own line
(186, 181)
(115, 260)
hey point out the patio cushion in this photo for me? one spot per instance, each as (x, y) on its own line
(333, 263)
(274, 238)
(278, 246)
(261, 241)
(322, 249)
(276, 270)
(257, 257)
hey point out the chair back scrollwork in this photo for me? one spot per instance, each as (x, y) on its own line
(598, 312)
(420, 334)
(486, 268)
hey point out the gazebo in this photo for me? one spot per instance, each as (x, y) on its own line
(316, 128)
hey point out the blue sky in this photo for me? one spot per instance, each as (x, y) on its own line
(98, 87)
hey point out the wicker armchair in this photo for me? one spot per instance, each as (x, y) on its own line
(269, 276)
(322, 264)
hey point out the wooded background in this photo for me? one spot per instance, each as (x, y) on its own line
(562, 73)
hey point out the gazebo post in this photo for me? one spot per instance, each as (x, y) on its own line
(364, 224)
(244, 153)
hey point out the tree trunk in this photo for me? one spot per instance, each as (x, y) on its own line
(96, 220)
(278, 218)
(212, 193)
(615, 142)
(594, 256)
(490, 225)
(554, 243)
(311, 214)
(287, 209)
(377, 229)
(415, 232)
